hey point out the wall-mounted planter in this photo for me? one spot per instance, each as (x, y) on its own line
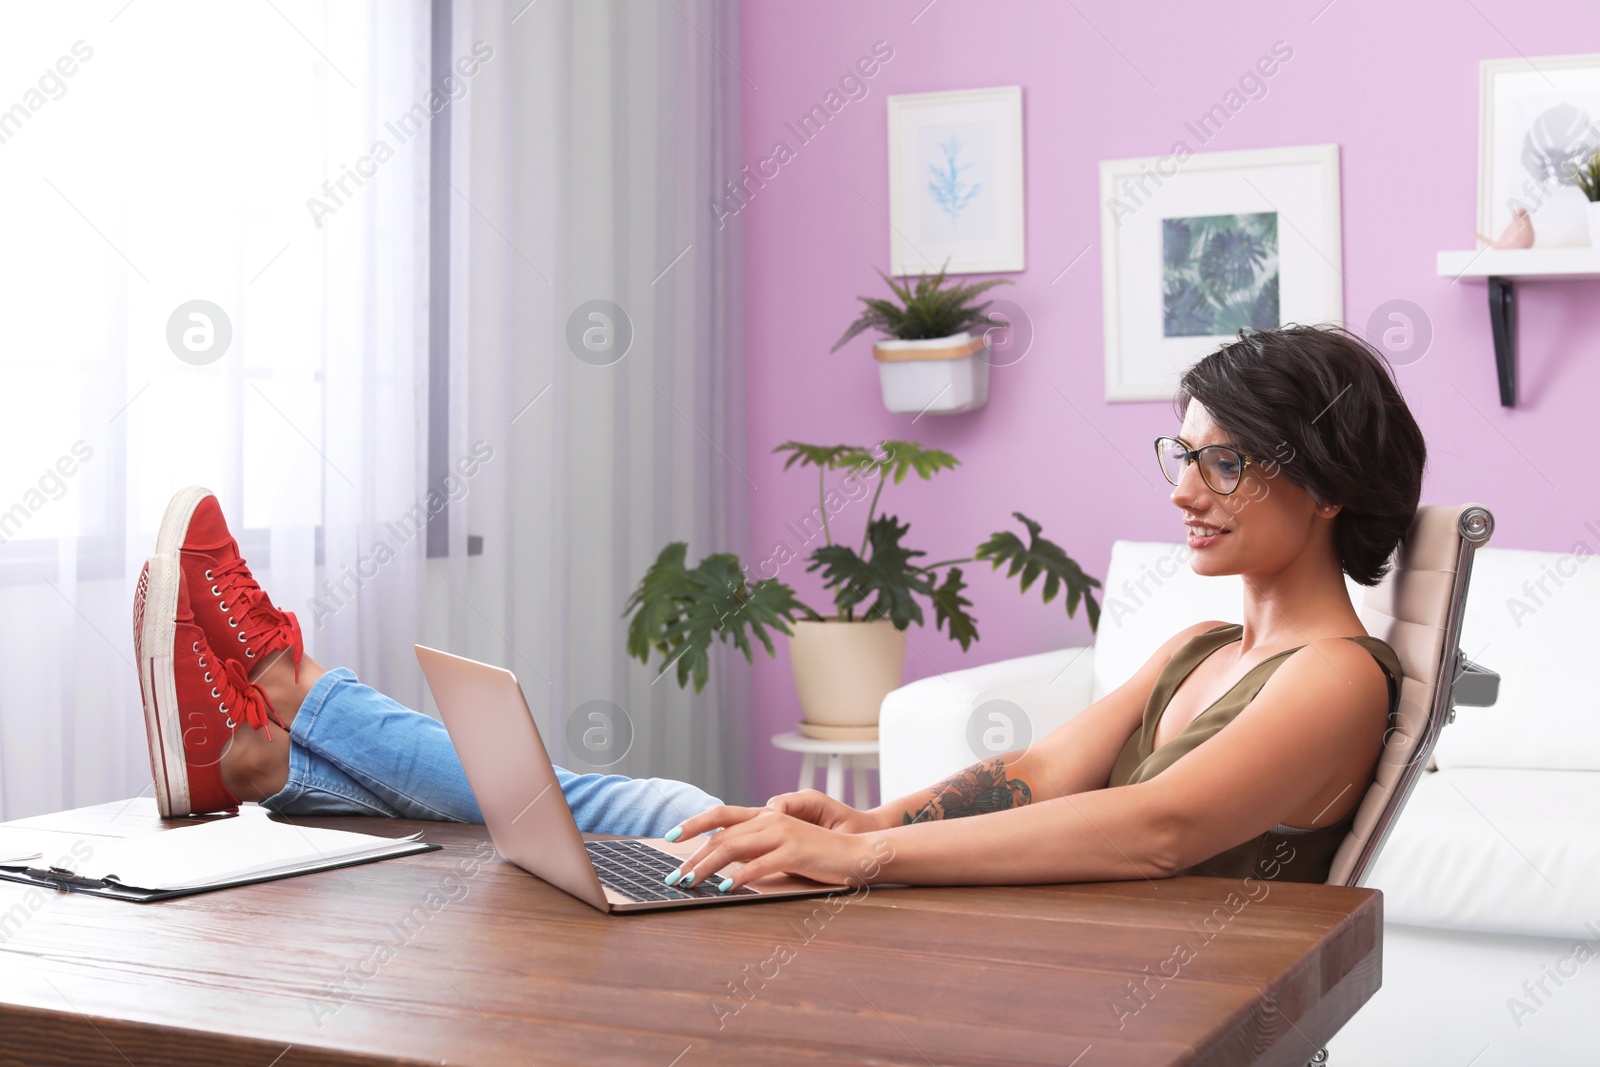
(938, 376)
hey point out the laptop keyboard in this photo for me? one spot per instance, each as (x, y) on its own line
(636, 870)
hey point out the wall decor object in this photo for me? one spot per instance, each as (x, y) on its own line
(1538, 121)
(1197, 246)
(1517, 234)
(955, 182)
(929, 361)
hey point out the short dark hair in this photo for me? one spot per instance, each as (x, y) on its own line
(1322, 404)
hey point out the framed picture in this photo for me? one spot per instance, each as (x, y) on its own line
(955, 181)
(1196, 246)
(1537, 119)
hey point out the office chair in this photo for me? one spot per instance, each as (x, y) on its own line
(1417, 609)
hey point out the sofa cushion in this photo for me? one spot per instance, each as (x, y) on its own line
(1496, 849)
(1150, 594)
(1535, 618)
(933, 727)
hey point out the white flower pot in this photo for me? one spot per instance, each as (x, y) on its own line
(941, 375)
(842, 672)
(1562, 221)
(1594, 223)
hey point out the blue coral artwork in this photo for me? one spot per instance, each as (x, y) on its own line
(957, 169)
(1219, 274)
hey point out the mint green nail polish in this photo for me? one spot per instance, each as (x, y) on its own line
(672, 877)
(674, 833)
(688, 880)
(724, 885)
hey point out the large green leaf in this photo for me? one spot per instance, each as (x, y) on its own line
(813, 455)
(654, 604)
(1041, 556)
(887, 574)
(950, 606)
(831, 457)
(903, 457)
(678, 611)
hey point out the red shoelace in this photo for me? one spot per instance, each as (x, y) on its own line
(252, 699)
(260, 624)
(248, 698)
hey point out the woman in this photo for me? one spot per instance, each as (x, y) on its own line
(1236, 750)
(215, 654)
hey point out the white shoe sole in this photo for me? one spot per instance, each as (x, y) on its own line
(175, 521)
(155, 627)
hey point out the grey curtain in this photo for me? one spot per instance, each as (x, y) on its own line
(597, 350)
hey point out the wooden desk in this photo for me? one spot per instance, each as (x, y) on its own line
(415, 960)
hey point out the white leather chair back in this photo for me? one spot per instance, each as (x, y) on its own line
(1417, 609)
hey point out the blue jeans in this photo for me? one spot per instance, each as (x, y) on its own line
(354, 751)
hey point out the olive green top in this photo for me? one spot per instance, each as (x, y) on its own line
(1282, 853)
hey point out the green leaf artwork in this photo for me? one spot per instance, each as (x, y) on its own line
(1219, 274)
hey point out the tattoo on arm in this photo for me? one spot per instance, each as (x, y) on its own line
(978, 790)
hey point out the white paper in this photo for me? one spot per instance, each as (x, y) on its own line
(18, 847)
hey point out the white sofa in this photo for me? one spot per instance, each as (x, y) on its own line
(1491, 878)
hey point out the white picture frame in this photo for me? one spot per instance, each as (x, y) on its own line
(955, 182)
(1521, 138)
(1297, 265)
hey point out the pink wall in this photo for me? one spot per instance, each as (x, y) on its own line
(1395, 85)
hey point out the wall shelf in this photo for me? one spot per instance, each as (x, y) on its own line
(1502, 268)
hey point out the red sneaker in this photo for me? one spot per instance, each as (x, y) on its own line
(193, 701)
(238, 618)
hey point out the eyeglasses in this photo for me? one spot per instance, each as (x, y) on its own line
(1221, 467)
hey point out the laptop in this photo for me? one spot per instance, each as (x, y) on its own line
(515, 784)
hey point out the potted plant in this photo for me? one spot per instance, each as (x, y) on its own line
(847, 660)
(930, 361)
(1587, 175)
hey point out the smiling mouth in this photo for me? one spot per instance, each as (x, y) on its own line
(1200, 529)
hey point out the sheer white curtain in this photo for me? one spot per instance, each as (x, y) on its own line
(587, 153)
(155, 154)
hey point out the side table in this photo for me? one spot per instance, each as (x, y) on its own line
(856, 756)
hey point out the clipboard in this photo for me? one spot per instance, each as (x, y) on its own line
(246, 849)
(67, 882)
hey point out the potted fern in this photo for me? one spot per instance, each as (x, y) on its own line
(930, 361)
(846, 660)
(1587, 175)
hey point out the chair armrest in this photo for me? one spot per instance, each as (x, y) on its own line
(1474, 686)
(928, 730)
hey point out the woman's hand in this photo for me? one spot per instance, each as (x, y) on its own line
(812, 806)
(766, 841)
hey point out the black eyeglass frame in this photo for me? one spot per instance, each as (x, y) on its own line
(1192, 456)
